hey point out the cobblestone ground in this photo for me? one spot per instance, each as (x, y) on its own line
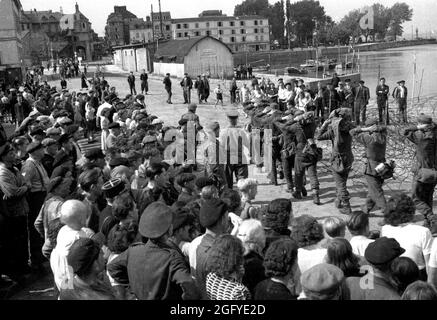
(266, 192)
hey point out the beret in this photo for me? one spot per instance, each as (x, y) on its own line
(192, 107)
(211, 212)
(82, 255)
(94, 154)
(34, 146)
(424, 119)
(232, 114)
(49, 142)
(183, 178)
(322, 280)
(140, 97)
(382, 251)
(114, 125)
(155, 220)
(362, 82)
(113, 188)
(203, 182)
(371, 122)
(119, 162)
(120, 170)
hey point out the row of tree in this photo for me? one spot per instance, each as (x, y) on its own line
(306, 22)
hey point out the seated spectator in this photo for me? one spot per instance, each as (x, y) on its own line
(339, 253)
(248, 189)
(276, 218)
(281, 267)
(416, 240)
(186, 182)
(308, 234)
(334, 227)
(87, 263)
(252, 234)
(322, 282)
(404, 272)
(420, 290)
(184, 228)
(358, 226)
(224, 267)
(209, 193)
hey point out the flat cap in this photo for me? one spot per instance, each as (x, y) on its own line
(192, 107)
(157, 121)
(211, 212)
(114, 125)
(371, 122)
(49, 142)
(203, 182)
(120, 171)
(53, 132)
(322, 281)
(382, 251)
(424, 119)
(72, 129)
(402, 81)
(232, 114)
(34, 146)
(82, 255)
(140, 97)
(94, 154)
(362, 82)
(113, 188)
(155, 220)
(119, 162)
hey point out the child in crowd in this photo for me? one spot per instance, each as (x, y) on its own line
(334, 227)
(358, 226)
(219, 96)
(248, 189)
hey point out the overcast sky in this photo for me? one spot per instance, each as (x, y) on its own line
(98, 10)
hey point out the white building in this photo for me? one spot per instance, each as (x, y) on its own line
(141, 31)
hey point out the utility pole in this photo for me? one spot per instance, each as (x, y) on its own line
(160, 18)
(151, 18)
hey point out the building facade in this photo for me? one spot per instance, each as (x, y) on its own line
(141, 31)
(245, 33)
(117, 26)
(49, 35)
(11, 47)
(162, 25)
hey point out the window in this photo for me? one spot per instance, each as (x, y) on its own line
(179, 35)
(220, 32)
(157, 27)
(83, 25)
(178, 26)
(220, 24)
(185, 25)
(197, 34)
(208, 33)
(261, 22)
(196, 25)
(232, 31)
(256, 22)
(185, 34)
(207, 24)
(232, 39)
(242, 23)
(255, 30)
(232, 23)
(243, 39)
(167, 28)
(242, 31)
(261, 30)
(256, 38)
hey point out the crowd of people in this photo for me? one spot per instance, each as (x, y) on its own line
(128, 221)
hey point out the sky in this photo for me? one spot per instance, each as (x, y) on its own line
(97, 11)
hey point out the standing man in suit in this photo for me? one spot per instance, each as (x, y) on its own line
(144, 82)
(382, 92)
(167, 85)
(400, 93)
(131, 81)
(362, 97)
(187, 85)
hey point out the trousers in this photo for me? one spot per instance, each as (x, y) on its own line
(375, 194)
(36, 201)
(169, 94)
(423, 197)
(312, 175)
(402, 105)
(360, 111)
(241, 171)
(187, 95)
(133, 91)
(144, 87)
(341, 185)
(383, 112)
(288, 165)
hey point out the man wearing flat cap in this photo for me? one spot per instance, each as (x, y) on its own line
(155, 270)
(362, 97)
(377, 284)
(35, 175)
(322, 282)
(188, 119)
(95, 157)
(400, 93)
(131, 82)
(382, 93)
(114, 132)
(424, 136)
(374, 138)
(50, 150)
(187, 85)
(167, 86)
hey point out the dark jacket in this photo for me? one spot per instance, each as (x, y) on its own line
(187, 83)
(154, 271)
(362, 94)
(254, 271)
(144, 77)
(376, 146)
(426, 146)
(47, 162)
(397, 93)
(382, 92)
(167, 83)
(381, 290)
(131, 80)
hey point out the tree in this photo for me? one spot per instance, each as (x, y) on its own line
(350, 25)
(304, 16)
(252, 7)
(400, 13)
(276, 17)
(382, 20)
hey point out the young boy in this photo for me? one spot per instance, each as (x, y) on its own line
(358, 226)
(219, 95)
(248, 189)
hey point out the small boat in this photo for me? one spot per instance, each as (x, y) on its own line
(262, 68)
(292, 71)
(309, 64)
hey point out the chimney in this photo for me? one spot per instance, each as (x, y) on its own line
(62, 11)
(77, 8)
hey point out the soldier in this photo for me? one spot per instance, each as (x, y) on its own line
(215, 157)
(236, 162)
(187, 85)
(424, 136)
(382, 92)
(144, 82)
(374, 138)
(337, 129)
(400, 93)
(187, 117)
(362, 97)
(131, 81)
(349, 98)
(331, 99)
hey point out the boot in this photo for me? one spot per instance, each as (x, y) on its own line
(338, 204)
(297, 195)
(316, 198)
(304, 192)
(281, 175)
(346, 210)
